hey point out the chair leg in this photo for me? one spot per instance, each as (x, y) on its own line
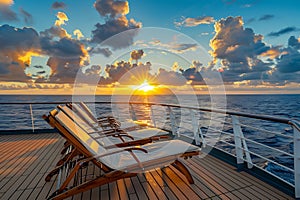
(182, 168)
(52, 173)
(67, 157)
(90, 184)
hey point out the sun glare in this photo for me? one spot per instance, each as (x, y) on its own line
(145, 87)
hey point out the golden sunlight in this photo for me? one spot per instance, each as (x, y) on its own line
(145, 86)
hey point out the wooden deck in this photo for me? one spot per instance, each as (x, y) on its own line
(26, 159)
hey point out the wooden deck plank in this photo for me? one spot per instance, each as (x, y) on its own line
(138, 188)
(122, 190)
(213, 178)
(171, 185)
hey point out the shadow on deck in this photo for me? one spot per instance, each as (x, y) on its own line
(26, 159)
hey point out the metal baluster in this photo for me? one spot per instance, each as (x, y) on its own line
(32, 120)
(173, 122)
(195, 125)
(152, 116)
(132, 113)
(297, 162)
(237, 140)
(240, 140)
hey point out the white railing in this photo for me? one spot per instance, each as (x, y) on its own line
(243, 135)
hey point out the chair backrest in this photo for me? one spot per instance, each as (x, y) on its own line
(92, 131)
(83, 137)
(113, 159)
(85, 113)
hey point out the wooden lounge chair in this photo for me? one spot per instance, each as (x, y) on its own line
(84, 110)
(133, 129)
(115, 137)
(117, 163)
(107, 140)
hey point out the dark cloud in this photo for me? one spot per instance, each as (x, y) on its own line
(98, 50)
(165, 77)
(137, 54)
(54, 31)
(238, 49)
(266, 17)
(26, 16)
(66, 55)
(283, 31)
(128, 73)
(289, 62)
(113, 27)
(64, 70)
(64, 48)
(17, 47)
(293, 42)
(111, 8)
(115, 22)
(58, 5)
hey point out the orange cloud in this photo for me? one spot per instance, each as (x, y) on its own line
(78, 34)
(62, 18)
(272, 53)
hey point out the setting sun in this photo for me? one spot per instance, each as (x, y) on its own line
(145, 86)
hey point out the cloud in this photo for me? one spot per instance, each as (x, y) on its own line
(238, 49)
(190, 22)
(266, 17)
(112, 8)
(115, 22)
(113, 27)
(17, 47)
(61, 19)
(57, 30)
(6, 14)
(289, 62)
(293, 42)
(58, 5)
(27, 16)
(283, 31)
(165, 77)
(127, 73)
(98, 50)
(174, 46)
(78, 34)
(136, 54)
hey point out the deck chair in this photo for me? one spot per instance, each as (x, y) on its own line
(117, 163)
(112, 140)
(128, 133)
(133, 129)
(108, 140)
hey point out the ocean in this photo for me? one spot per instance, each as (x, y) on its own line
(18, 116)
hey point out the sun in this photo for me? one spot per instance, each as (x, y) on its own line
(145, 87)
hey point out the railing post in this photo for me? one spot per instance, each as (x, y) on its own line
(297, 162)
(237, 140)
(152, 116)
(32, 119)
(195, 125)
(173, 122)
(240, 141)
(132, 113)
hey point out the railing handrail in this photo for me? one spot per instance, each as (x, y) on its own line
(293, 122)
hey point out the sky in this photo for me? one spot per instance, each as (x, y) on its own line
(117, 46)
